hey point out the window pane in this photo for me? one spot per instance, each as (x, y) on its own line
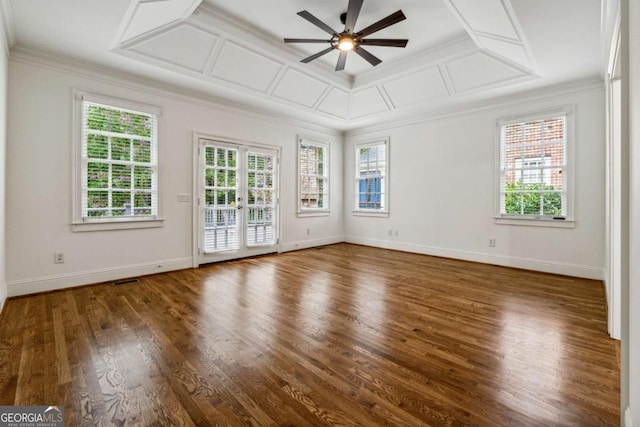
(142, 125)
(143, 177)
(120, 149)
(142, 200)
(120, 122)
(209, 156)
(220, 178)
(532, 167)
(371, 176)
(97, 146)
(120, 198)
(209, 178)
(313, 173)
(141, 151)
(552, 203)
(120, 176)
(98, 199)
(97, 175)
(118, 136)
(210, 197)
(221, 157)
(531, 204)
(97, 118)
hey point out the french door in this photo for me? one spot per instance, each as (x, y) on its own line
(237, 200)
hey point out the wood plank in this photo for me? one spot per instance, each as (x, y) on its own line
(337, 335)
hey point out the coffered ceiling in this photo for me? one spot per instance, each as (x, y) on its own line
(459, 51)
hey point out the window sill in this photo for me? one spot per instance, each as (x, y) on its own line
(535, 222)
(310, 213)
(382, 214)
(117, 225)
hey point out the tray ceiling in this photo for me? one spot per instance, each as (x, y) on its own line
(459, 51)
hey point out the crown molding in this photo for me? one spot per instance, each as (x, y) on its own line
(103, 74)
(8, 31)
(609, 28)
(515, 100)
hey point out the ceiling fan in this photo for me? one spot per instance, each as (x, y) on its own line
(349, 39)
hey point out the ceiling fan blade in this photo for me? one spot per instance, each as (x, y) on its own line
(394, 18)
(353, 11)
(318, 23)
(385, 42)
(370, 58)
(342, 60)
(306, 41)
(318, 55)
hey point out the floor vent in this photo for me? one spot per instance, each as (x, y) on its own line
(126, 282)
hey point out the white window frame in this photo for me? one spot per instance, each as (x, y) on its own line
(78, 221)
(568, 172)
(383, 211)
(324, 144)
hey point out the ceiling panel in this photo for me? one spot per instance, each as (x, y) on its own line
(510, 50)
(147, 16)
(300, 88)
(336, 103)
(418, 87)
(244, 67)
(486, 16)
(487, 71)
(368, 101)
(184, 46)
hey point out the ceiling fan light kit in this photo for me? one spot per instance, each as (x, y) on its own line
(348, 39)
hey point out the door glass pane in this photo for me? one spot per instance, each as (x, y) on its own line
(220, 214)
(260, 199)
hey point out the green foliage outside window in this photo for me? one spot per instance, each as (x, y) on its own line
(527, 199)
(116, 187)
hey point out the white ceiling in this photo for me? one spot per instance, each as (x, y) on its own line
(459, 51)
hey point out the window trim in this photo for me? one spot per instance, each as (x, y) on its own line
(357, 211)
(78, 223)
(532, 220)
(326, 144)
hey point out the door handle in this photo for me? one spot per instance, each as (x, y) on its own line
(239, 207)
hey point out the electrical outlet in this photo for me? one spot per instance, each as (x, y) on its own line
(390, 232)
(308, 231)
(397, 233)
(58, 257)
(492, 243)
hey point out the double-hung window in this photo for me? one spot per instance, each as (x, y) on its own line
(534, 178)
(117, 172)
(371, 178)
(313, 177)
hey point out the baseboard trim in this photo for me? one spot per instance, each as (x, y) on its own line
(62, 281)
(3, 296)
(305, 244)
(524, 263)
(627, 418)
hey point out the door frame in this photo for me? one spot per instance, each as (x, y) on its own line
(195, 185)
(615, 209)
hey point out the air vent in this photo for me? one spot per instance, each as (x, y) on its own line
(126, 282)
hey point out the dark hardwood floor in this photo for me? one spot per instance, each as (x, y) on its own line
(338, 335)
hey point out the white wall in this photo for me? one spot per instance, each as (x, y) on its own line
(39, 180)
(632, 367)
(4, 59)
(442, 192)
